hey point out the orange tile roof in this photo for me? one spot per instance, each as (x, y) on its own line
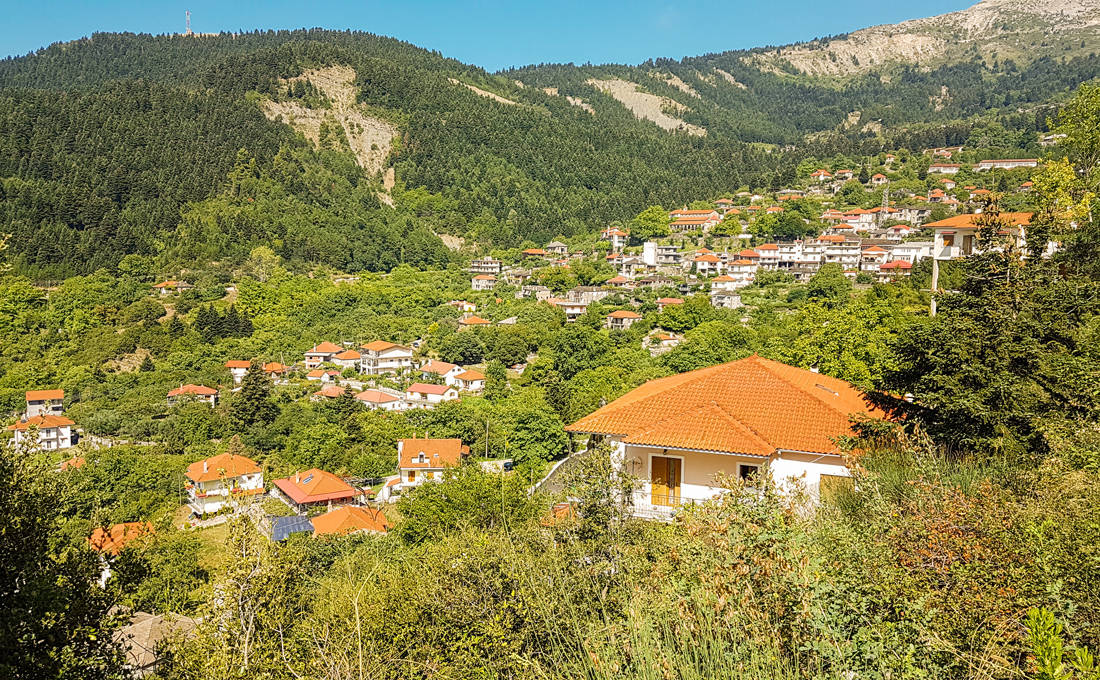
(896, 264)
(326, 348)
(424, 388)
(624, 314)
(274, 367)
(767, 246)
(1014, 219)
(485, 277)
(237, 363)
(748, 253)
(350, 519)
(470, 375)
(743, 263)
(45, 395)
(708, 257)
(438, 367)
(724, 278)
(223, 463)
(474, 321)
(315, 486)
(348, 355)
(534, 251)
(375, 397)
(198, 390)
(115, 538)
(707, 211)
(73, 463)
(330, 392)
(437, 453)
(670, 301)
(753, 406)
(380, 346)
(42, 422)
(874, 249)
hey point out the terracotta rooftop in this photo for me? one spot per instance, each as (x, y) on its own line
(315, 486)
(424, 388)
(437, 453)
(213, 468)
(375, 397)
(45, 395)
(350, 519)
(1012, 218)
(438, 367)
(624, 314)
(199, 390)
(381, 346)
(753, 406)
(117, 536)
(326, 348)
(41, 422)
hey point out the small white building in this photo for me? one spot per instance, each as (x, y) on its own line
(45, 403)
(424, 460)
(54, 432)
(321, 354)
(470, 381)
(237, 368)
(911, 251)
(423, 395)
(485, 265)
(385, 357)
(724, 299)
(483, 282)
(207, 395)
(441, 369)
(1007, 164)
(221, 480)
(708, 264)
(617, 238)
(944, 169)
(381, 401)
(622, 319)
(349, 358)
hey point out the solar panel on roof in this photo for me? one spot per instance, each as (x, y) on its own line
(283, 527)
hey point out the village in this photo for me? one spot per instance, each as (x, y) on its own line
(715, 251)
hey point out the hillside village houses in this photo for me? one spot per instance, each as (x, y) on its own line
(314, 488)
(1007, 164)
(483, 282)
(423, 395)
(380, 357)
(219, 480)
(486, 265)
(622, 319)
(321, 353)
(681, 434)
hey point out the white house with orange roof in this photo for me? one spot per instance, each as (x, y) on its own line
(472, 321)
(821, 176)
(958, 236)
(166, 288)
(483, 282)
(381, 401)
(944, 168)
(44, 403)
(878, 179)
(220, 480)
(425, 460)
(322, 353)
(349, 358)
(189, 392)
(617, 238)
(911, 251)
(314, 488)
(573, 308)
(708, 264)
(380, 357)
(872, 257)
(423, 395)
(668, 301)
(470, 380)
(444, 370)
(622, 319)
(680, 436)
(893, 269)
(769, 256)
(237, 368)
(743, 273)
(54, 431)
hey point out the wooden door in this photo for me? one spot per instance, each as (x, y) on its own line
(665, 478)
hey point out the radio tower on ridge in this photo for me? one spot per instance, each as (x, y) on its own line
(187, 13)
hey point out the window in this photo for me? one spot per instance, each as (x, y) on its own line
(421, 458)
(748, 473)
(412, 476)
(948, 240)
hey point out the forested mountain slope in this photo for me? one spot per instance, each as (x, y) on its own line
(125, 143)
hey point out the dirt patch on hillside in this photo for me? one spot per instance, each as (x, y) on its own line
(369, 138)
(575, 101)
(675, 81)
(452, 242)
(646, 106)
(483, 93)
(730, 79)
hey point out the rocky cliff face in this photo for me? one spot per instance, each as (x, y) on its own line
(992, 29)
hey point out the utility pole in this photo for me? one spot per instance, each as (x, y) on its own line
(935, 282)
(187, 13)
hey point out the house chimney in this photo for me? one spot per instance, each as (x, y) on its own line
(297, 477)
(205, 467)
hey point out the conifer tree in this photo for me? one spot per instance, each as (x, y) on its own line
(252, 405)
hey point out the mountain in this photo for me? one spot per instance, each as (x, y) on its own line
(358, 151)
(1016, 30)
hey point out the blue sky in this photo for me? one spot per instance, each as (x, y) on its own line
(490, 33)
